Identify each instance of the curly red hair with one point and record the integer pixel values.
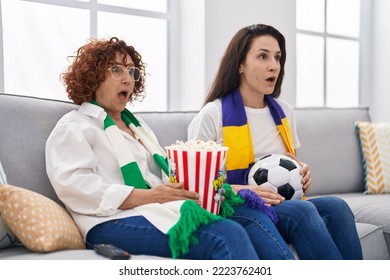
(88, 70)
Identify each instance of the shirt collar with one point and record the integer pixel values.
(93, 111)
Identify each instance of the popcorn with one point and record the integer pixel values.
(201, 166)
(196, 145)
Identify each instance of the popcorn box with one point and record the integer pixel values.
(201, 166)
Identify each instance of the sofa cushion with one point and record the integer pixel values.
(373, 242)
(25, 126)
(371, 209)
(168, 126)
(375, 148)
(330, 146)
(39, 223)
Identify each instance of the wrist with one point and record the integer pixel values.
(236, 188)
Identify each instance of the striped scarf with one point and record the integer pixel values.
(178, 219)
(237, 137)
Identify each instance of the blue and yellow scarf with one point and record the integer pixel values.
(237, 136)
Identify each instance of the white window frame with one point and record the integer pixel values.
(94, 7)
(364, 48)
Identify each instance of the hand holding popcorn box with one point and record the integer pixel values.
(200, 165)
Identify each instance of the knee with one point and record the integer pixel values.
(231, 240)
(340, 208)
(334, 208)
(233, 232)
(302, 210)
(338, 205)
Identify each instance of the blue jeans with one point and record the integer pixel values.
(320, 228)
(222, 240)
(265, 237)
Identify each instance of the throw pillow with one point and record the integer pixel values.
(7, 238)
(38, 222)
(375, 145)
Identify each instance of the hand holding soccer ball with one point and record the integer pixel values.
(279, 173)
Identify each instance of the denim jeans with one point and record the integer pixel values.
(265, 237)
(222, 240)
(320, 228)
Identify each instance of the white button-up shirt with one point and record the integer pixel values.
(84, 171)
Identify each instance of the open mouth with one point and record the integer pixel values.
(123, 95)
(271, 79)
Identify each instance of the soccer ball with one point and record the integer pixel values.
(279, 173)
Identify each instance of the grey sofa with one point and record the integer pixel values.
(329, 145)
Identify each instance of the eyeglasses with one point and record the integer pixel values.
(118, 72)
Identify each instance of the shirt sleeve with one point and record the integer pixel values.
(71, 166)
(207, 124)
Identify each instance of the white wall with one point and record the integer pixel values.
(380, 55)
(191, 82)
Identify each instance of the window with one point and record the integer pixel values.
(39, 35)
(328, 52)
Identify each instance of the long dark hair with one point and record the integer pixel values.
(228, 77)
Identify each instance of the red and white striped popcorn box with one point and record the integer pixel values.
(201, 170)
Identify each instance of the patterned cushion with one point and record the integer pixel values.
(7, 238)
(38, 222)
(375, 145)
